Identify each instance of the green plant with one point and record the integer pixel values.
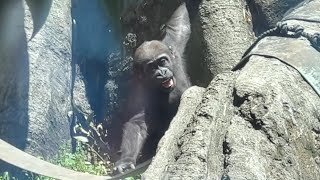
(77, 161)
(5, 176)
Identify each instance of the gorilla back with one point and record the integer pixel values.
(160, 79)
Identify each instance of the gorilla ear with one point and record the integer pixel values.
(178, 29)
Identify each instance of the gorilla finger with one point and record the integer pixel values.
(120, 169)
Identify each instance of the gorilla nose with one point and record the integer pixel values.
(164, 72)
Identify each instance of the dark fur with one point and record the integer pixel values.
(156, 105)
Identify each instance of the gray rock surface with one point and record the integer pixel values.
(35, 78)
(14, 76)
(81, 103)
(50, 81)
(266, 13)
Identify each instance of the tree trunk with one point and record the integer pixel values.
(260, 122)
(227, 33)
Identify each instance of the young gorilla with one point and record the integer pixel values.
(160, 81)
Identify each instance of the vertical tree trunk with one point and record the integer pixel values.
(227, 33)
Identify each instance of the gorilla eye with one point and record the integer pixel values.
(163, 61)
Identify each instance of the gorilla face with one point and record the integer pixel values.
(155, 70)
(159, 73)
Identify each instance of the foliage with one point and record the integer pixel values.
(76, 161)
(6, 176)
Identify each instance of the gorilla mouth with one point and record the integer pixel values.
(168, 83)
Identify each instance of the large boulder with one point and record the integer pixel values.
(35, 75)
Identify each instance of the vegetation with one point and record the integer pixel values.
(76, 161)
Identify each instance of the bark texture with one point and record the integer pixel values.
(260, 122)
(227, 33)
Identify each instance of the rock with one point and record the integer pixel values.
(35, 78)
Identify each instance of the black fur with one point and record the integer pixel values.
(160, 80)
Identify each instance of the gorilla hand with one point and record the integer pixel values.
(125, 164)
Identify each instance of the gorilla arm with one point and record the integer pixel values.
(134, 135)
(178, 29)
